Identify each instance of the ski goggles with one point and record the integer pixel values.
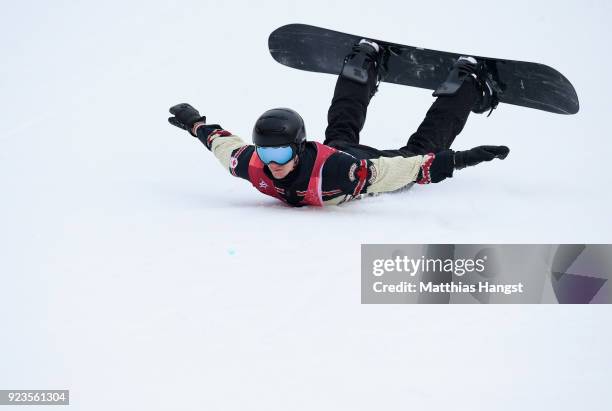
(279, 155)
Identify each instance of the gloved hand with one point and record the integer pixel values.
(441, 165)
(478, 155)
(185, 117)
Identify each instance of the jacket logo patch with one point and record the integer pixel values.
(373, 174)
(262, 184)
(233, 162)
(351, 173)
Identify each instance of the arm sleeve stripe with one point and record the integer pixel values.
(234, 160)
(362, 173)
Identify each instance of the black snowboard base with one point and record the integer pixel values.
(520, 83)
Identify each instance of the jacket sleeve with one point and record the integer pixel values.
(346, 178)
(231, 151)
(393, 173)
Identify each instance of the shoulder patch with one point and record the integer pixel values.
(373, 174)
(351, 173)
(234, 159)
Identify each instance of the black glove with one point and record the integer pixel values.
(478, 155)
(441, 165)
(185, 117)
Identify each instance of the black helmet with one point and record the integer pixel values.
(280, 127)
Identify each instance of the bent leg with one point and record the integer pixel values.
(347, 113)
(444, 121)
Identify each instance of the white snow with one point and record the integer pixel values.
(139, 274)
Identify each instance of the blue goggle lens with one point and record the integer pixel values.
(279, 155)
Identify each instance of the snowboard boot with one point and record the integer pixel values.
(463, 68)
(359, 60)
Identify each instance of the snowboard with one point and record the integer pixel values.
(520, 83)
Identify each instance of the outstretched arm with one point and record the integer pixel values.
(346, 178)
(231, 151)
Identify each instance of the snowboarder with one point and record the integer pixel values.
(283, 164)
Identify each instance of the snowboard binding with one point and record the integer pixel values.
(358, 61)
(469, 67)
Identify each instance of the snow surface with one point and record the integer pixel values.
(139, 274)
